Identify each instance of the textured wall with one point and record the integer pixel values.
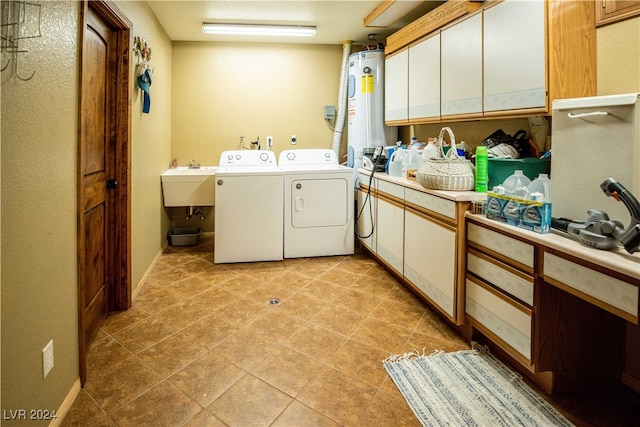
(39, 127)
(39, 150)
(151, 142)
(224, 90)
(619, 57)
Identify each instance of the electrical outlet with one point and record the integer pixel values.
(294, 140)
(269, 141)
(47, 359)
(329, 112)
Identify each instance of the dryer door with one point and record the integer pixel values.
(319, 202)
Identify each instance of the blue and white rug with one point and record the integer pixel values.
(468, 388)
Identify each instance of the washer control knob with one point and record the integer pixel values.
(230, 157)
(264, 157)
(238, 156)
(291, 156)
(327, 155)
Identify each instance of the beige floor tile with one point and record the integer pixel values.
(117, 386)
(276, 325)
(287, 369)
(270, 290)
(382, 335)
(211, 330)
(150, 409)
(388, 409)
(184, 313)
(172, 354)
(292, 279)
(250, 402)
(339, 277)
(360, 361)
(337, 396)
(358, 264)
(243, 311)
(300, 415)
(339, 319)
(359, 301)
(85, 412)
(316, 342)
(156, 301)
(401, 294)
(321, 290)
(217, 298)
(143, 334)
(190, 286)
(118, 320)
(373, 285)
(302, 306)
(246, 348)
(205, 418)
(105, 353)
(242, 284)
(398, 314)
(207, 378)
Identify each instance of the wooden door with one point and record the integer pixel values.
(103, 172)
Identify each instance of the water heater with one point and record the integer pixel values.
(365, 112)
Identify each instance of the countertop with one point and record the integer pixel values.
(617, 259)
(456, 196)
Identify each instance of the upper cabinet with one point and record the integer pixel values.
(461, 70)
(514, 61)
(509, 59)
(396, 87)
(424, 79)
(609, 11)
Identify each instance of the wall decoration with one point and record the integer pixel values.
(20, 21)
(143, 70)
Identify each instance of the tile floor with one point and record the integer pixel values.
(203, 346)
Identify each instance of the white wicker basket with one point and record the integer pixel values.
(449, 172)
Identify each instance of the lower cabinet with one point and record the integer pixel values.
(390, 232)
(366, 214)
(430, 259)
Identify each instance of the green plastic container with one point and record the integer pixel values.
(500, 169)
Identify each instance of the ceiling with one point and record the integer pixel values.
(336, 20)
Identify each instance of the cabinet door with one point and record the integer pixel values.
(390, 232)
(514, 56)
(461, 48)
(430, 259)
(396, 87)
(366, 219)
(424, 79)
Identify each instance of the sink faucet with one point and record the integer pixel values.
(194, 165)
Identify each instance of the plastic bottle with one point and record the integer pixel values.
(516, 184)
(412, 160)
(482, 169)
(395, 164)
(540, 188)
(430, 151)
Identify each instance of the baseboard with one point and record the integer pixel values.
(146, 274)
(66, 404)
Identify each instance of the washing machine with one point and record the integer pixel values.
(248, 207)
(318, 204)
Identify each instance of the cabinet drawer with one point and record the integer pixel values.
(507, 320)
(511, 248)
(611, 291)
(394, 190)
(365, 179)
(433, 203)
(501, 277)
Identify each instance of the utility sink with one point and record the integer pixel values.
(183, 186)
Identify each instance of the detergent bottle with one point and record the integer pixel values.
(431, 150)
(395, 162)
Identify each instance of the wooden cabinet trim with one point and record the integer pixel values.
(610, 11)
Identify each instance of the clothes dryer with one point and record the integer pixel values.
(318, 204)
(248, 207)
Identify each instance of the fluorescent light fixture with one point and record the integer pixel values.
(259, 30)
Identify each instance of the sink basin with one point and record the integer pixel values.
(182, 186)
